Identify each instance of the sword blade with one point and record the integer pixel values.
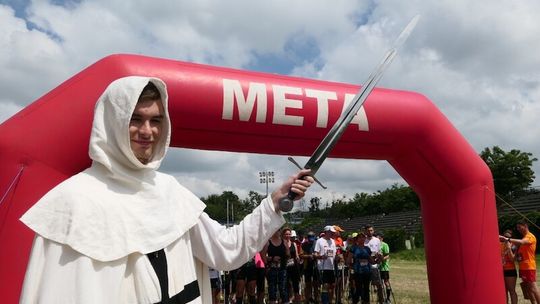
(330, 140)
(333, 136)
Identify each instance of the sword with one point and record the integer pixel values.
(330, 140)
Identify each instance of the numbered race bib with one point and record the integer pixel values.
(290, 262)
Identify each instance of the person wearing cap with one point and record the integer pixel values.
(351, 240)
(311, 274)
(325, 252)
(337, 237)
(340, 263)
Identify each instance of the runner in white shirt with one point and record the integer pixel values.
(325, 252)
(371, 241)
(374, 244)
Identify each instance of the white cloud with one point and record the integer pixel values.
(31, 62)
(475, 60)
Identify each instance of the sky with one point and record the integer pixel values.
(477, 61)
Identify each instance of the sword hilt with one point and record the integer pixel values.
(286, 203)
(312, 175)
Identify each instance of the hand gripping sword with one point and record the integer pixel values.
(330, 140)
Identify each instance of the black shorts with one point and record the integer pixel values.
(328, 277)
(510, 273)
(293, 276)
(248, 273)
(385, 275)
(375, 275)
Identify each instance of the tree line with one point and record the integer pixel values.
(512, 175)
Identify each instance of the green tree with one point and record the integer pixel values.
(396, 198)
(357, 205)
(249, 203)
(393, 199)
(508, 221)
(512, 171)
(216, 206)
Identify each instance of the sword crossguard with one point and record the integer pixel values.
(286, 203)
(300, 167)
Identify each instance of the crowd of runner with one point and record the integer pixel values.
(312, 268)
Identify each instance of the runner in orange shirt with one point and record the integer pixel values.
(340, 263)
(527, 263)
(508, 252)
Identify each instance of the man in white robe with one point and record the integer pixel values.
(122, 232)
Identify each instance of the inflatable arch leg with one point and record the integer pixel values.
(224, 109)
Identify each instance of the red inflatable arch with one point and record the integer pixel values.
(224, 109)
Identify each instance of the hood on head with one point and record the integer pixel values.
(110, 140)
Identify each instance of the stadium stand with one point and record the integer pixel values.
(524, 204)
(410, 221)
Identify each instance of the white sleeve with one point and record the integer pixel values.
(228, 248)
(317, 247)
(58, 274)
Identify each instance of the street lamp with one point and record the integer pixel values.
(266, 177)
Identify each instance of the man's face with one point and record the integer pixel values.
(145, 129)
(522, 229)
(370, 231)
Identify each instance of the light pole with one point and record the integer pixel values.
(266, 177)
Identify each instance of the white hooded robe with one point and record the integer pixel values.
(93, 230)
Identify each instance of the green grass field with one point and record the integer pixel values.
(409, 281)
(408, 277)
